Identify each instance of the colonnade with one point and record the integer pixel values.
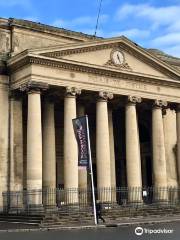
(41, 152)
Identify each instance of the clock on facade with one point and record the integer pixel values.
(117, 57)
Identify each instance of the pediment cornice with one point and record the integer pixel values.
(89, 68)
(122, 43)
(80, 49)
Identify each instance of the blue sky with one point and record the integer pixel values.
(150, 23)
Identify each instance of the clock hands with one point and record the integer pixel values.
(118, 58)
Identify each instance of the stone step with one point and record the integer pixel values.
(20, 217)
(34, 219)
(67, 219)
(66, 224)
(87, 217)
(18, 220)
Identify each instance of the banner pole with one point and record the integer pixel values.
(91, 172)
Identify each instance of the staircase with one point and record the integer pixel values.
(65, 219)
(85, 217)
(24, 219)
(118, 213)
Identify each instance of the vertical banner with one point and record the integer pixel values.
(80, 130)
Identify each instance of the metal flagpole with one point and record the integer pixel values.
(91, 172)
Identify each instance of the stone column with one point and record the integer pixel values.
(82, 171)
(4, 125)
(159, 160)
(103, 148)
(49, 154)
(178, 140)
(112, 154)
(34, 148)
(16, 152)
(170, 136)
(70, 146)
(133, 159)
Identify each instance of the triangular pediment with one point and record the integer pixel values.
(115, 53)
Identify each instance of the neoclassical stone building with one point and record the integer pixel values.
(49, 75)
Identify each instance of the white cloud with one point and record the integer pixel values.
(12, 3)
(157, 15)
(167, 40)
(174, 27)
(163, 25)
(132, 33)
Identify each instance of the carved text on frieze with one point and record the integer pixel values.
(118, 83)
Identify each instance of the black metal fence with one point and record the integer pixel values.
(53, 200)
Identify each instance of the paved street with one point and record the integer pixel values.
(103, 233)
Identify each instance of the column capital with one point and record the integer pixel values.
(72, 91)
(133, 99)
(33, 86)
(105, 95)
(160, 103)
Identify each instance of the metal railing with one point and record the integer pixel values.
(53, 200)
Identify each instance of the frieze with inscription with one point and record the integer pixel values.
(119, 83)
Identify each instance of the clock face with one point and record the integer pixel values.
(117, 57)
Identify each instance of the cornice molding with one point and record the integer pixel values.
(26, 24)
(85, 68)
(80, 49)
(122, 46)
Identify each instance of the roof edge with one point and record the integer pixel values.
(49, 29)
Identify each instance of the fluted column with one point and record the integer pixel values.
(112, 154)
(70, 145)
(103, 148)
(49, 153)
(159, 160)
(133, 159)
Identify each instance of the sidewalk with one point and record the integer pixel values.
(20, 227)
